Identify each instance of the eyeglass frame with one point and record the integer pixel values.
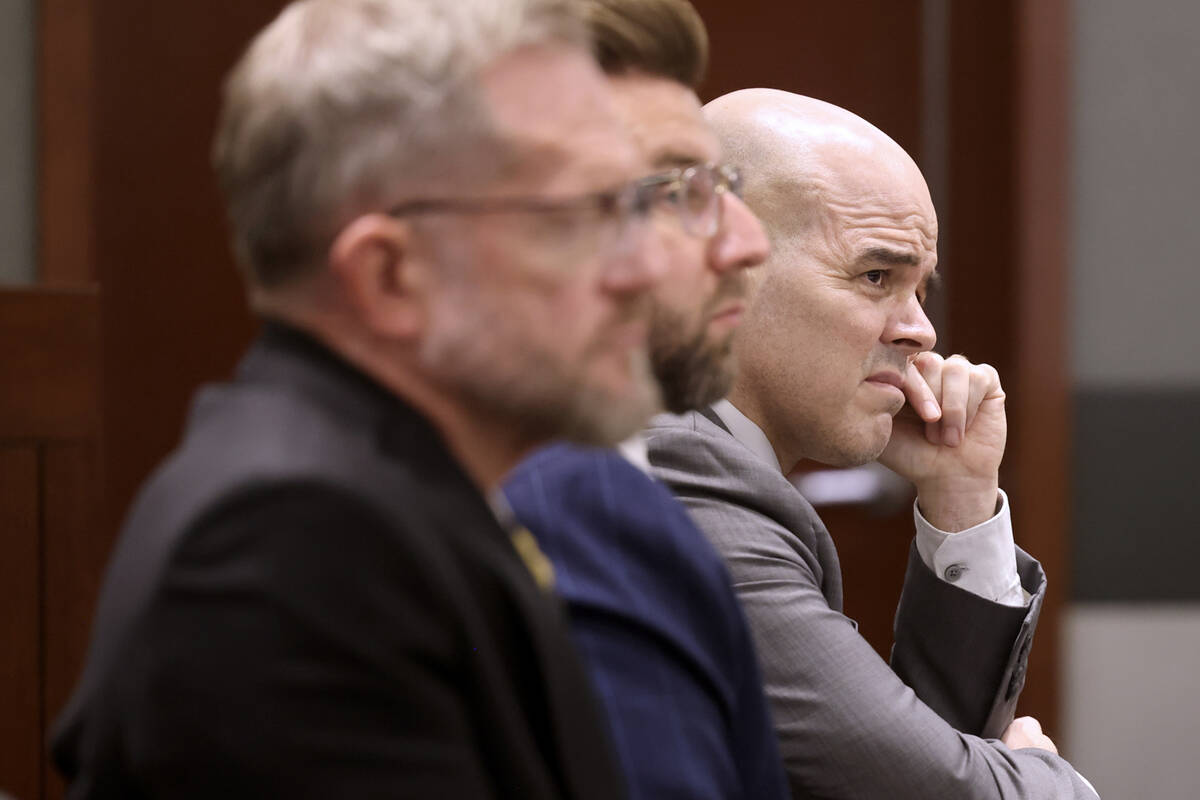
(637, 198)
(704, 223)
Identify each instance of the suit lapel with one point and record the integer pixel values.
(712, 417)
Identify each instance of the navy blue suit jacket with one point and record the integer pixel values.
(659, 627)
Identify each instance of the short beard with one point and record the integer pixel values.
(530, 393)
(693, 372)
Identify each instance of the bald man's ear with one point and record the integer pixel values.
(373, 263)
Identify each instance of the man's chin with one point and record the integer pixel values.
(869, 444)
(606, 416)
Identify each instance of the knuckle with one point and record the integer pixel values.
(958, 367)
(987, 378)
(926, 359)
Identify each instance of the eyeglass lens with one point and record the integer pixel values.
(700, 205)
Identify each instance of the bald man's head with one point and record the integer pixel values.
(838, 305)
(796, 148)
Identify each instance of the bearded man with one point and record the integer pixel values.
(650, 602)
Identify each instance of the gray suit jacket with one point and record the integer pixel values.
(849, 725)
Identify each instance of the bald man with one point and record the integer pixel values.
(836, 365)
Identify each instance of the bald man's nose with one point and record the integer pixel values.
(910, 328)
(741, 241)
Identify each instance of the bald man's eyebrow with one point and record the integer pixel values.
(885, 255)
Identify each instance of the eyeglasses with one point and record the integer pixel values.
(695, 193)
(633, 199)
(595, 222)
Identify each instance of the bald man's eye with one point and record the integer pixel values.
(876, 276)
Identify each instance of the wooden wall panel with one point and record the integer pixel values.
(1042, 443)
(174, 315)
(75, 550)
(49, 360)
(864, 55)
(20, 629)
(65, 220)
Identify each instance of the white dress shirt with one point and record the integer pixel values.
(636, 452)
(981, 560)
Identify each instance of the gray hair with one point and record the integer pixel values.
(339, 104)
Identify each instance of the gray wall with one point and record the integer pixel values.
(1135, 321)
(1137, 193)
(17, 175)
(1133, 631)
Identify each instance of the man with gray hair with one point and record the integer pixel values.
(442, 222)
(835, 365)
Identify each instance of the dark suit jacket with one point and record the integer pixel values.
(849, 726)
(309, 599)
(658, 625)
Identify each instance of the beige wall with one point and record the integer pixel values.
(1133, 724)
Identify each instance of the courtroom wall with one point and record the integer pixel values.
(1133, 632)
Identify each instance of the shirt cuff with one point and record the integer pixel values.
(981, 560)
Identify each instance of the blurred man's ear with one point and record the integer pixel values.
(372, 260)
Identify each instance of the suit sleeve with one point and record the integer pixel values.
(965, 656)
(848, 726)
(298, 650)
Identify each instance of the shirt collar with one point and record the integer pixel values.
(746, 432)
(635, 451)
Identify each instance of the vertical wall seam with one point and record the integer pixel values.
(42, 494)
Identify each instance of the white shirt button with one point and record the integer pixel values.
(954, 572)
